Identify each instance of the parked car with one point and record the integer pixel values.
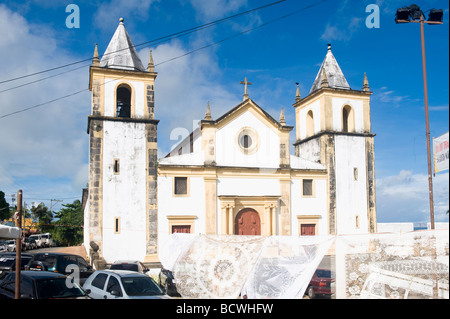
(40, 285)
(37, 239)
(3, 246)
(122, 284)
(30, 243)
(8, 262)
(47, 240)
(131, 265)
(167, 282)
(58, 262)
(11, 245)
(321, 284)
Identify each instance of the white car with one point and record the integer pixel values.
(3, 246)
(11, 245)
(47, 240)
(37, 239)
(122, 284)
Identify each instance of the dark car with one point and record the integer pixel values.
(167, 282)
(8, 262)
(131, 265)
(62, 263)
(321, 284)
(40, 285)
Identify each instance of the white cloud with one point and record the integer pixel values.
(110, 12)
(341, 30)
(385, 95)
(214, 9)
(404, 197)
(183, 88)
(438, 108)
(46, 141)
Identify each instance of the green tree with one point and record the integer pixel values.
(43, 216)
(70, 221)
(4, 207)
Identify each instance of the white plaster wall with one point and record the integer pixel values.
(139, 94)
(315, 108)
(194, 204)
(351, 195)
(395, 227)
(86, 228)
(310, 150)
(185, 144)
(229, 154)
(316, 205)
(124, 194)
(357, 106)
(248, 186)
(197, 144)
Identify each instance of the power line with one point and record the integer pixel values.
(167, 37)
(42, 79)
(172, 59)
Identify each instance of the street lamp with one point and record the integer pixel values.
(414, 14)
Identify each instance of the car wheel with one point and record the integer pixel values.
(311, 293)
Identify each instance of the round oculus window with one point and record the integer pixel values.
(247, 140)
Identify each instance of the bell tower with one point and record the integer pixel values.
(333, 128)
(122, 130)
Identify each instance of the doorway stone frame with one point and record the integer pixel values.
(265, 206)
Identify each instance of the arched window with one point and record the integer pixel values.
(348, 120)
(309, 124)
(123, 98)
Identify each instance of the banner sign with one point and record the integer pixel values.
(440, 153)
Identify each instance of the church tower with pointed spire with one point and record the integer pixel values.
(333, 128)
(122, 128)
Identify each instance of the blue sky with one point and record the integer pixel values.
(44, 151)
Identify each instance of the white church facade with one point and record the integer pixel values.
(234, 173)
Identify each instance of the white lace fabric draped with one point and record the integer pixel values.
(411, 265)
(381, 266)
(216, 266)
(223, 266)
(285, 266)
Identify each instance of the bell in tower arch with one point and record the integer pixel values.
(123, 104)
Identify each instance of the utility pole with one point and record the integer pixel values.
(18, 242)
(414, 14)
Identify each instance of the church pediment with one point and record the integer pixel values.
(251, 106)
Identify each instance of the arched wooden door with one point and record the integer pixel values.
(247, 222)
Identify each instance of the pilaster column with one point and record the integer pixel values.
(227, 220)
(230, 219)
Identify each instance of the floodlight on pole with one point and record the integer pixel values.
(436, 15)
(414, 14)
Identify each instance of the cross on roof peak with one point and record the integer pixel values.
(245, 87)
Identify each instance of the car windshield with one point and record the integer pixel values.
(7, 261)
(57, 288)
(141, 286)
(125, 266)
(323, 273)
(48, 261)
